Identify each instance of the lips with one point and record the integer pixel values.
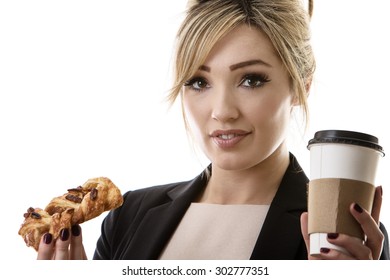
(228, 138)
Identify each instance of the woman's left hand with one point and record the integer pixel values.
(370, 249)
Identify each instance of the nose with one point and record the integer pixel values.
(224, 106)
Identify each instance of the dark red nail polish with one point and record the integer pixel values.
(381, 189)
(64, 234)
(76, 230)
(47, 238)
(325, 250)
(358, 208)
(333, 235)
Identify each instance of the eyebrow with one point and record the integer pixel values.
(204, 68)
(239, 65)
(248, 63)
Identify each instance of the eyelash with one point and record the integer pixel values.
(190, 83)
(260, 79)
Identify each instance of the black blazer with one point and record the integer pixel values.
(143, 225)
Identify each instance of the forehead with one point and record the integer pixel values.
(240, 44)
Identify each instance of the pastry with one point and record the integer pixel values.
(77, 206)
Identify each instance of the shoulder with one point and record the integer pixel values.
(146, 198)
(159, 194)
(153, 194)
(292, 192)
(136, 204)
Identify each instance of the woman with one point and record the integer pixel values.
(241, 68)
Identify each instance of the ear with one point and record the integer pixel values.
(308, 86)
(295, 99)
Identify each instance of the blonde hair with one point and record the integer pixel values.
(285, 22)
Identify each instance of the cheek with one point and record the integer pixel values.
(193, 112)
(270, 111)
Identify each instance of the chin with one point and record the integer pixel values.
(233, 164)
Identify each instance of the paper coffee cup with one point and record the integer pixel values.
(343, 166)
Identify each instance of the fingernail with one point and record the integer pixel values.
(381, 189)
(358, 208)
(64, 234)
(333, 235)
(47, 238)
(76, 230)
(325, 250)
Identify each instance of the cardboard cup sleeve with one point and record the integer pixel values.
(329, 201)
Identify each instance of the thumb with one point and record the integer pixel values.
(304, 230)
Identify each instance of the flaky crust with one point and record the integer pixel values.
(77, 206)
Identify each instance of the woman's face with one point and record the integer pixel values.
(238, 103)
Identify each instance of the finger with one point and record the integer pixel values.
(333, 254)
(305, 234)
(304, 230)
(77, 251)
(61, 251)
(371, 229)
(84, 256)
(46, 245)
(376, 206)
(353, 245)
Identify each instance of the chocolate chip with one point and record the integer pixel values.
(78, 189)
(73, 198)
(35, 215)
(93, 194)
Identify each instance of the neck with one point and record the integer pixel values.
(254, 185)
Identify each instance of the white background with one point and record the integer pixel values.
(82, 88)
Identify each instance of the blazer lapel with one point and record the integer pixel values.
(280, 237)
(160, 222)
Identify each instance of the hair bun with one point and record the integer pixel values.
(192, 3)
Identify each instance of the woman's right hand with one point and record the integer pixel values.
(371, 248)
(68, 246)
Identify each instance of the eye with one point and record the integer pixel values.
(197, 84)
(254, 80)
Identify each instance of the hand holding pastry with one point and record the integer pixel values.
(66, 212)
